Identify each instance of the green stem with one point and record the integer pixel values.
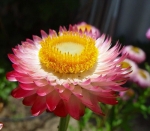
(63, 124)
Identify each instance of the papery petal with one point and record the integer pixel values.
(43, 91)
(30, 86)
(107, 100)
(11, 76)
(77, 91)
(41, 82)
(39, 106)
(13, 58)
(29, 101)
(52, 100)
(36, 38)
(20, 93)
(65, 95)
(61, 109)
(75, 108)
(44, 34)
(25, 79)
(1, 125)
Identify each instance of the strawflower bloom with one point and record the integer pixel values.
(126, 95)
(127, 63)
(83, 26)
(142, 78)
(148, 34)
(1, 125)
(134, 53)
(66, 72)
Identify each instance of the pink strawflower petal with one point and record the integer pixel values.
(43, 91)
(1, 125)
(20, 93)
(39, 106)
(65, 95)
(75, 107)
(29, 100)
(61, 109)
(52, 100)
(11, 76)
(31, 86)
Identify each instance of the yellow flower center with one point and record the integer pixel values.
(85, 26)
(125, 64)
(142, 74)
(135, 49)
(68, 52)
(130, 92)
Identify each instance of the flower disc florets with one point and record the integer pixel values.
(66, 72)
(68, 53)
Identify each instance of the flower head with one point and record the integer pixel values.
(148, 34)
(126, 95)
(66, 72)
(142, 78)
(127, 63)
(83, 26)
(1, 125)
(134, 53)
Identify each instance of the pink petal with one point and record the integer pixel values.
(13, 58)
(88, 98)
(65, 95)
(42, 91)
(1, 125)
(52, 32)
(31, 86)
(96, 109)
(44, 34)
(68, 86)
(19, 69)
(41, 82)
(60, 88)
(61, 109)
(20, 93)
(30, 41)
(36, 38)
(75, 107)
(91, 102)
(11, 76)
(52, 100)
(28, 101)
(118, 88)
(18, 53)
(77, 91)
(87, 82)
(25, 79)
(39, 106)
(108, 100)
